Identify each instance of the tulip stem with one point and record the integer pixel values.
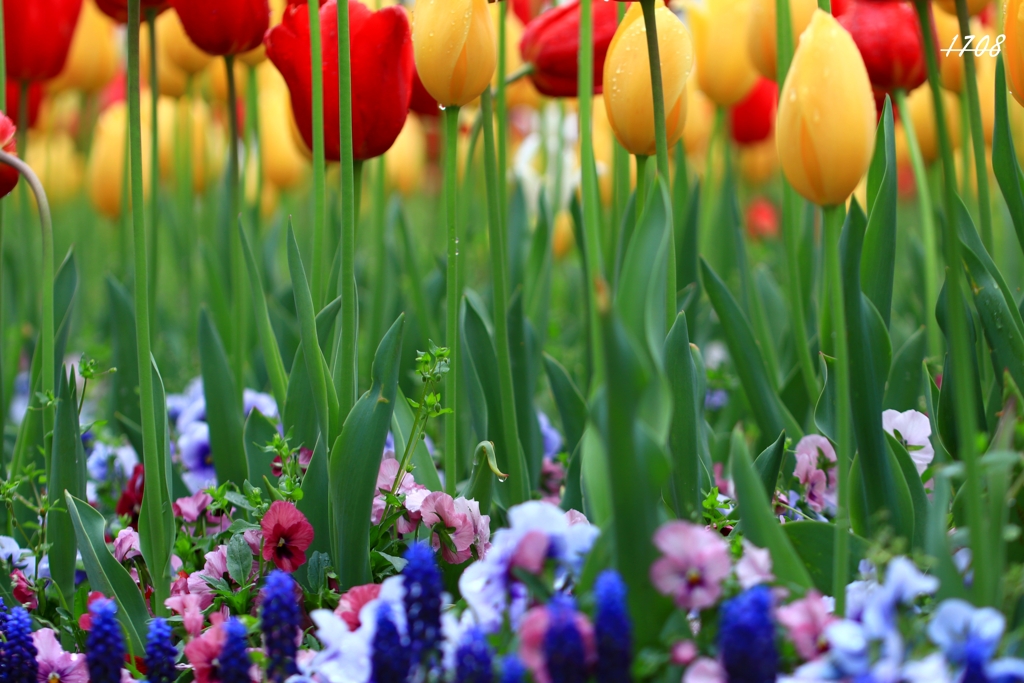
(252, 100)
(519, 475)
(150, 453)
(834, 216)
(501, 108)
(590, 194)
(641, 186)
(661, 144)
(620, 178)
(154, 158)
(320, 250)
(924, 194)
(346, 376)
(959, 346)
(451, 179)
(238, 275)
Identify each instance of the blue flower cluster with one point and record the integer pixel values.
(105, 645)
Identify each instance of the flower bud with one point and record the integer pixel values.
(700, 121)
(281, 148)
(922, 115)
(947, 30)
(59, 166)
(759, 162)
(8, 174)
(725, 72)
(888, 35)
(38, 37)
(181, 51)
(826, 123)
(761, 31)
(752, 119)
(105, 173)
(225, 27)
(627, 79)
(454, 46)
(407, 159)
(93, 59)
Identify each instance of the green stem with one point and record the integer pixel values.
(924, 195)
(591, 196)
(380, 287)
(238, 276)
(345, 372)
(501, 107)
(959, 341)
(977, 136)
(154, 160)
(151, 457)
(21, 137)
(320, 251)
(518, 474)
(451, 143)
(641, 186)
(844, 427)
(825, 6)
(252, 99)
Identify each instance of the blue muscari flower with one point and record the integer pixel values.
(391, 659)
(105, 644)
(280, 624)
(563, 644)
(160, 653)
(422, 580)
(19, 651)
(746, 637)
(473, 658)
(613, 629)
(512, 669)
(234, 658)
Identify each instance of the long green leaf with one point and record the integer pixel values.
(156, 518)
(572, 408)
(879, 265)
(525, 352)
(917, 494)
(684, 440)
(268, 342)
(222, 410)
(67, 473)
(259, 431)
(1005, 165)
(355, 461)
(815, 543)
(1005, 338)
(906, 375)
(124, 383)
(769, 463)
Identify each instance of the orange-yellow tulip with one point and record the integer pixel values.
(453, 42)
(57, 163)
(181, 51)
(922, 115)
(761, 31)
(93, 59)
(105, 174)
(406, 161)
(724, 70)
(284, 155)
(951, 65)
(1013, 48)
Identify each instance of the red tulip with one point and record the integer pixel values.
(753, 118)
(526, 10)
(118, 9)
(762, 219)
(551, 44)
(888, 36)
(8, 175)
(422, 102)
(382, 74)
(35, 101)
(37, 36)
(224, 27)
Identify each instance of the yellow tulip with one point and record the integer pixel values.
(218, 73)
(93, 59)
(284, 155)
(563, 238)
(922, 115)
(406, 161)
(627, 79)
(826, 121)
(182, 52)
(57, 163)
(947, 30)
(105, 173)
(986, 75)
(171, 80)
(724, 70)
(453, 42)
(1017, 129)
(522, 93)
(179, 120)
(973, 7)
(1013, 48)
(604, 151)
(759, 162)
(761, 31)
(700, 121)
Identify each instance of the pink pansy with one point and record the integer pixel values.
(385, 479)
(190, 507)
(126, 545)
(705, 670)
(806, 620)
(56, 665)
(694, 564)
(915, 431)
(353, 601)
(216, 567)
(723, 483)
(439, 508)
(23, 591)
(190, 607)
(532, 630)
(180, 584)
(481, 524)
(755, 566)
(202, 653)
(576, 517)
(531, 552)
(819, 484)
(684, 652)
(254, 537)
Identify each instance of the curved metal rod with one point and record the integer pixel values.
(48, 361)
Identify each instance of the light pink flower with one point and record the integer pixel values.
(806, 620)
(532, 630)
(481, 524)
(23, 591)
(191, 608)
(126, 545)
(705, 670)
(914, 429)
(54, 663)
(723, 483)
(203, 652)
(190, 507)
(439, 508)
(576, 517)
(385, 479)
(755, 566)
(684, 652)
(531, 552)
(694, 564)
(819, 483)
(216, 567)
(353, 601)
(552, 475)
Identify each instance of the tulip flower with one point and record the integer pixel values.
(57, 163)
(974, 7)
(105, 172)
(281, 151)
(407, 160)
(218, 80)
(179, 48)
(725, 71)
(224, 27)
(93, 58)
(454, 47)
(171, 80)
(922, 114)
(563, 238)
(522, 92)
(947, 29)
(551, 43)
(627, 77)
(751, 121)
(177, 121)
(422, 102)
(382, 73)
(700, 121)
(888, 35)
(37, 37)
(761, 31)
(826, 122)
(35, 100)
(1013, 48)
(118, 9)
(758, 162)
(8, 174)
(527, 10)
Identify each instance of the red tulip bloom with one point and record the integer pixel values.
(287, 534)
(224, 27)
(37, 36)
(526, 10)
(382, 74)
(762, 219)
(753, 118)
(422, 102)
(118, 9)
(551, 44)
(888, 36)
